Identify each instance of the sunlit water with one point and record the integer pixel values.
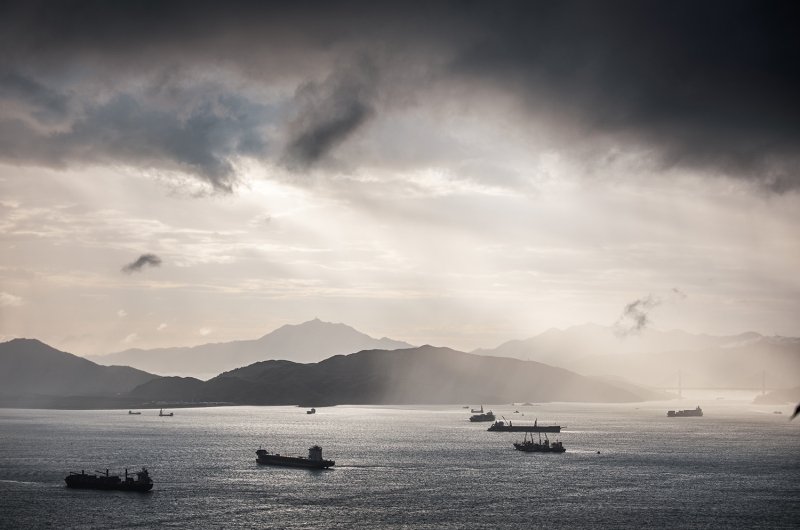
(420, 467)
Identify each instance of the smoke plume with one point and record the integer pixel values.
(144, 260)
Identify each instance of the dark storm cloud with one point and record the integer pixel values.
(328, 113)
(708, 85)
(144, 260)
(202, 139)
(47, 105)
(702, 85)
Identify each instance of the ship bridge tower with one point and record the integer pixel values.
(315, 453)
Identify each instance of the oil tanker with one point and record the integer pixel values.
(314, 460)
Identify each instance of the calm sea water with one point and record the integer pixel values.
(420, 467)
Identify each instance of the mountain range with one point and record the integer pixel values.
(655, 358)
(424, 375)
(36, 375)
(583, 363)
(308, 342)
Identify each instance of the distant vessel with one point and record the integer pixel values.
(685, 413)
(312, 411)
(167, 414)
(110, 482)
(529, 446)
(132, 412)
(503, 426)
(487, 416)
(314, 459)
(477, 411)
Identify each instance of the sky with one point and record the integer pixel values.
(454, 173)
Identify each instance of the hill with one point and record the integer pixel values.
(29, 368)
(655, 357)
(310, 341)
(424, 375)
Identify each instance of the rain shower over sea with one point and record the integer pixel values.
(407, 467)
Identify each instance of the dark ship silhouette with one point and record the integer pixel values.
(110, 482)
(314, 460)
(502, 426)
(529, 446)
(481, 416)
(685, 413)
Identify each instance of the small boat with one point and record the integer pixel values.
(102, 481)
(777, 412)
(477, 411)
(311, 411)
(487, 416)
(165, 414)
(685, 413)
(133, 413)
(529, 446)
(314, 460)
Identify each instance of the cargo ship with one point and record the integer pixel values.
(529, 446)
(82, 480)
(502, 426)
(314, 460)
(685, 413)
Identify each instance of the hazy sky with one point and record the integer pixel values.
(455, 173)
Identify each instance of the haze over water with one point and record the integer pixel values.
(415, 467)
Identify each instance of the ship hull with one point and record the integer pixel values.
(96, 484)
(690, 413)
(290, 461)
(524, 428)
(268, 459)
(536, 448)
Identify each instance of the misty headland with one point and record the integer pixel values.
(318, 363)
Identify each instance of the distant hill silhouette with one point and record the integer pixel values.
(31, 368)
(424, 375)
(654, 357)
(310, 341)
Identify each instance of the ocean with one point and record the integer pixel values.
(408, 467)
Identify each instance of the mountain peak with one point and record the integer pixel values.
(310, 341)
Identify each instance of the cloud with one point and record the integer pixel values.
(706, 86)
(205, 331)
(144, 260)
(200, 135)
(132, 337)
(328, 113)
(635, 317)
(9, 300)
(122, 313)
(161, 327)
(46, 105)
